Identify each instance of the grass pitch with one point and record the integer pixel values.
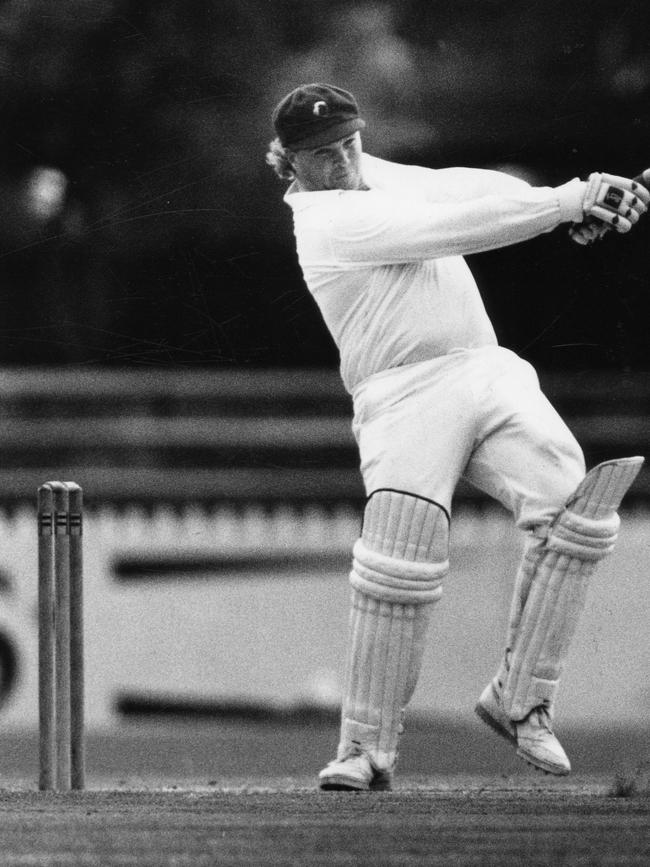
(244, 794)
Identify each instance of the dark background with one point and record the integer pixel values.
(173, 246)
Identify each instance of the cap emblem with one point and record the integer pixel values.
(320, 108)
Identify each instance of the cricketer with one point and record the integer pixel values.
(436, 399)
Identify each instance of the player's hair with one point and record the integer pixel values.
(276, 157)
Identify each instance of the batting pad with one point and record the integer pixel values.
(398, 566)
(552, 584)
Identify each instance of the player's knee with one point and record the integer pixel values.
(584, 538)
(586, 532)
(402, 554)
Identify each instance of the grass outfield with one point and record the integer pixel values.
(215, 793)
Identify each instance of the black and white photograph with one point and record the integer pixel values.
(324, 429)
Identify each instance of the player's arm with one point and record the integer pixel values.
(617, 202)
(374, 227)
(611, 202)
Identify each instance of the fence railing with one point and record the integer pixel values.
(241, 435)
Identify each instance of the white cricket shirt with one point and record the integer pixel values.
(386, 266)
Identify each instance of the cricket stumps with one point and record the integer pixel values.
(60, 637)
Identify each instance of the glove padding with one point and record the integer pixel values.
(611, 202)
(594, 229)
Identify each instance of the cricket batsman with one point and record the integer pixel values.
(436, 399)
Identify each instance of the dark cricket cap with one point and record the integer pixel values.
(316, 114)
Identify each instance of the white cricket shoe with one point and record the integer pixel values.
(355, 773)
(533, 736)
(538, 745)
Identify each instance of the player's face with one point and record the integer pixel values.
(334, 166)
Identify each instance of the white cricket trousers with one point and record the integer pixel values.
(477, 414)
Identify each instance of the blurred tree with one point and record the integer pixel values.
(171, 243)
(152, 111)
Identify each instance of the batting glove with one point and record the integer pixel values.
(618, 202)
(611, 202)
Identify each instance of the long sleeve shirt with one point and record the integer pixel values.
(385, 265)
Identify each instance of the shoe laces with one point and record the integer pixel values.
(543, 717)
(352, 752)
